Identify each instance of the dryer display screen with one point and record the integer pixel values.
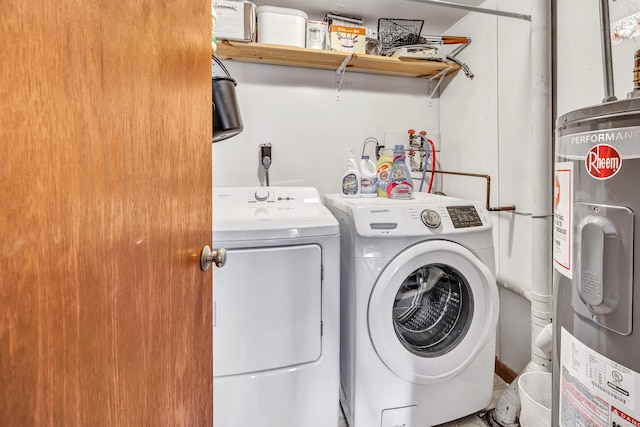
(464, 216)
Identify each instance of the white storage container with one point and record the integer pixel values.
(535, 396)
(279, 25)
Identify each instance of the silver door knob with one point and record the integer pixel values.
(218, 257)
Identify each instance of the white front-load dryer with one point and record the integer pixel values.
(276, 309)
(419, 309)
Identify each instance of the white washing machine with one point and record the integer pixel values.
(419, 309)
(276, 309)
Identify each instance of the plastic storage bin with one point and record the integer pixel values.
(282, 26)
(535, 397)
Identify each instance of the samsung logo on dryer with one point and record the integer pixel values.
(375, 211)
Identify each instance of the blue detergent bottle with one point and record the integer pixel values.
(400, 182)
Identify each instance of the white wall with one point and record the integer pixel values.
(579, 57)
(486, 128)
(296, 110)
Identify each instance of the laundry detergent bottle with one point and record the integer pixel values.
(368, 178)
(385, 161)
(351, 178)
(400, 183)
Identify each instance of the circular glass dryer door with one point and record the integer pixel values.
(432, 309)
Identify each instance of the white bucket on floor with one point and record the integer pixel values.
(535, 398)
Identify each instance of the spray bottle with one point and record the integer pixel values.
(351, 178)
(400, 182)
(368, 178)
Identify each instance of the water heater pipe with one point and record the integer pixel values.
(476, 9)
(508, 405)
(542, 168)
(607, 62)
(488, 192)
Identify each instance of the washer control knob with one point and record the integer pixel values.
(430, 218)
(262, 194)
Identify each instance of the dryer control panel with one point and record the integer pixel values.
(269, 212)
(238, 196)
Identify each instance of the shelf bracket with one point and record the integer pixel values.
(459, 49)
(340, 75)
(440, 77)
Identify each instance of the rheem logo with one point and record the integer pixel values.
(603, 161)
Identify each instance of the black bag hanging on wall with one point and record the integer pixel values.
(226, 113)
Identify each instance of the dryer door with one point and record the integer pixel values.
(432, 309)
(267, 309)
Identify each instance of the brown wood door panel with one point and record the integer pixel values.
(105, 174)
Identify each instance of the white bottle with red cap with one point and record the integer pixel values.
(368, 178)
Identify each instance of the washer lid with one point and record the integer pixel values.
(258, 213)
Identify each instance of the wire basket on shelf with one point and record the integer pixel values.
(398, 32)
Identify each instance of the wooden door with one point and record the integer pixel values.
(105, 193)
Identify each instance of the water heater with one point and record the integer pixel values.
(596, 254)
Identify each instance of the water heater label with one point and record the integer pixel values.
(595, 390)
(562, 217)
(602, 161)
(591, 148)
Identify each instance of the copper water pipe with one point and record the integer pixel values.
(488, 178)
(636, 70)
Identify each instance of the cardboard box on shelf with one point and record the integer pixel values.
(344, 20)
(317, 35)
(236, 20)
(347, 39)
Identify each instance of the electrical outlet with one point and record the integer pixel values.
(265, 155)
(265, 150)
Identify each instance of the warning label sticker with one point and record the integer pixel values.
(620, 418)
(562, 212)
(595, 391)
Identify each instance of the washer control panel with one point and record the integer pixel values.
(417, 220)
(424, 215)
